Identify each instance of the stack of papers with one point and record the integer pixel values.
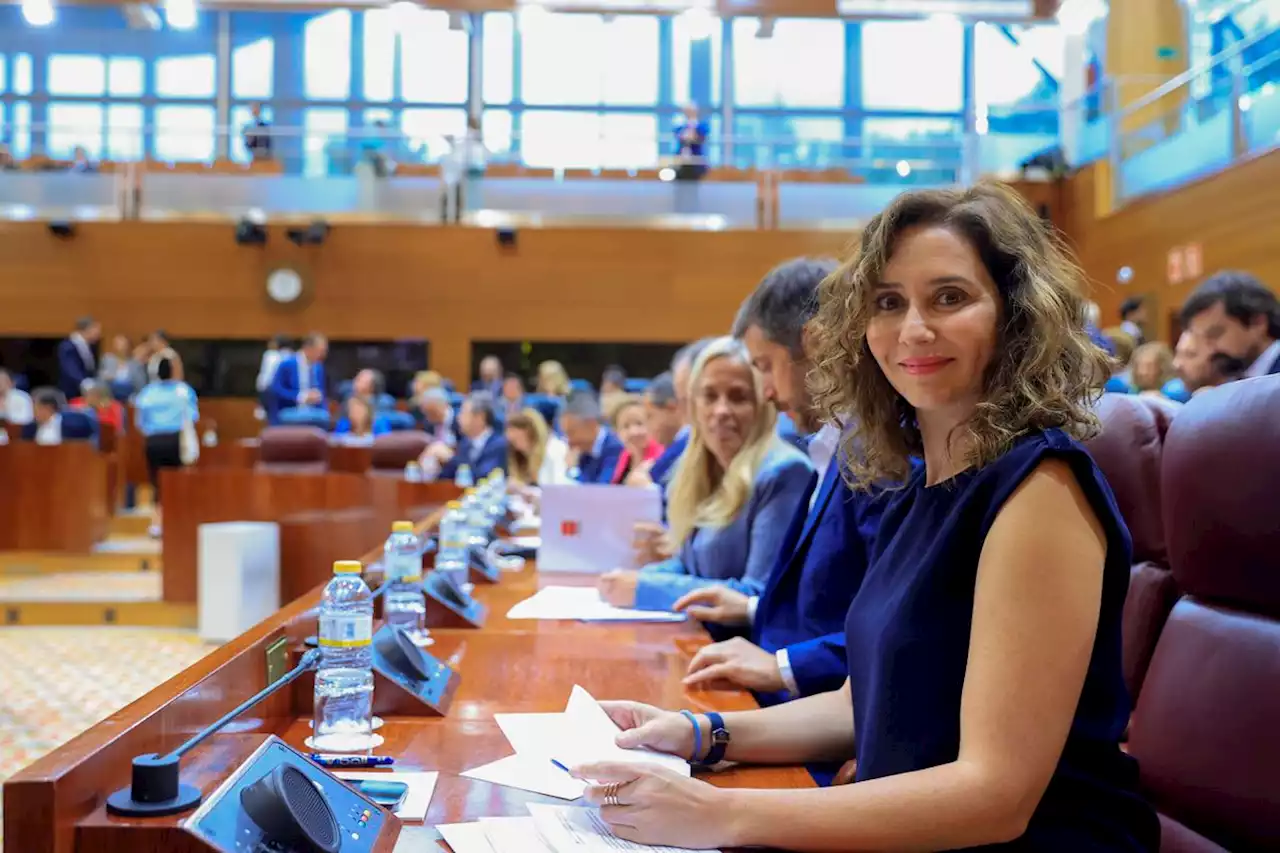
(584, 604)
(548, 829)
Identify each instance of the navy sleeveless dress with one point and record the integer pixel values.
(908, 645)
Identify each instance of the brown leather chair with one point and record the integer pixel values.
(1206, 729)
(293, 450)
(394, 450)
(1129, 453)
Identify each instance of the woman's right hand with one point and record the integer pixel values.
(644, 726)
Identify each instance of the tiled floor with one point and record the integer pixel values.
(83, 586)
(57, 682)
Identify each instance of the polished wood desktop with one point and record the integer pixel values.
(54, 499)
(57, 804)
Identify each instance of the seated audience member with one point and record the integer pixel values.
(1235, 314)
(613, 391)
(80, 161)
(796, 645)
(425, 380)
(98, 399)
(121, 370)
(435, 416)
(553, 380)
(733, 492)
(1122, 347)
(45, 426)
(512, 397)
(15, 404)
(664, 421)
(639, 448)
(681, 365)
(593, 448)
(1150, 368)
(490, 380)
(1201, 369)
(163, 410)
(535, 456)
(481, 446)
(299, 378)
(359, 420)
(368, 383)
(1133, 316)
(985, 683)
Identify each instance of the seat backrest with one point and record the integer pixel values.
(293, 449)
(1206, 729)
(399, 421)
(391, 452)
(309, 416)
(79, 425)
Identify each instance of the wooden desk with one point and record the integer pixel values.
(56, 804)
(54, 499)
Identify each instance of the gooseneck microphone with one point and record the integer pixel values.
(157, 788)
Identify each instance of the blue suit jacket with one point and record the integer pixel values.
(284, 389)
(490, 458)
(76, 426)
(662, 467)
(71, 369)
(819, 571)
(599, 469)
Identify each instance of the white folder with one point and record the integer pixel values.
(591, 528)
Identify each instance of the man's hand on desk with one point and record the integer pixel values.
(650, 541)
(716, 604)
(738, 662)
(618, 587)
(310, 397)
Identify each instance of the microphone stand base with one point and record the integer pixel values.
(122, 803)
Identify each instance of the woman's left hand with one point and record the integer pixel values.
(618, 587)
(659, 806)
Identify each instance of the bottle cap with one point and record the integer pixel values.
(402, 527)
(347, 567)
(454, 505)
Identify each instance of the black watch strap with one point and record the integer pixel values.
(719, 740)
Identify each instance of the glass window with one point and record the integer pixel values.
(124, 132)
(325, 129)
(72, 74)
(612, 62)
(800, 65)
(184, 133)
(186, 76)
(425, 131)
(499, 53)
(22, 74)
(433, 59)
(1006, 73)
(242, 117)
(893, 76)
(327, 56)
(782, 140)
(253, 69)
(696, 34)
(589, 140)
(379, 55)
(71, 125)
(124, 76)
(496, 130)
(934, 139)
(4, 66)
(20, 133)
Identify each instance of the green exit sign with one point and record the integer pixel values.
(1167, 52)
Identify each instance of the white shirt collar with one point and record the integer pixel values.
(1262, 364)
(597, 446)
(50, 432)
(478, 443)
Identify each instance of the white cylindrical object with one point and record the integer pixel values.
(239, 577)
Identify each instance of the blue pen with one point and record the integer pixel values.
(352, 760)
(561, 766)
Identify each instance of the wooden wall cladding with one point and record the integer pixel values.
(1234, 216)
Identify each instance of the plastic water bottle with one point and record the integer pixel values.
(412, 471)
(344, 682)
(403, 605)
(477, 520)
(463, 478)
(451, 558)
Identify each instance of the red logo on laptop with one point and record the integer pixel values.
(568, 528)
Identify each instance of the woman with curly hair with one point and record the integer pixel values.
(985, 702)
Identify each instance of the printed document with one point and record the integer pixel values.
(585, 604)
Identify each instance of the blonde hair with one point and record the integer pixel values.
(1122, 342)
(1042, 375)
(1164, 365)
(622, 403)
(424, 380)
(702, 493)
(521, 468)
(553, 379)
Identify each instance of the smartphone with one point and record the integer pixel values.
(386, 793)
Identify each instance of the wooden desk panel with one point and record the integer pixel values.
(54, 498)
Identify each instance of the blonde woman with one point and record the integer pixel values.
(535, 457)
(733, 493)
(1150, 367)
(553, 379)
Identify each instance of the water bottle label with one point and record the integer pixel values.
(346, 630)
(404, 568)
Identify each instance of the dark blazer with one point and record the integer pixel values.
(76, 426)
(284, 389)
(492, 457)
(666, 463)
(72, 371)
(599, 469)
(823, 561)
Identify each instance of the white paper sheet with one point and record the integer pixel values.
(593, 738)
(529, 773)
(591, 528)
(418, 798)
(463, 838)
(575, 829)
(582, 603)
(515, 835)
(415, 838)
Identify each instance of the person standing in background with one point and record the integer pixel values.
(163, 410)
(1133, 319)
(257, 135)
(490, 380)
(76, 361)
(277, 349)
(123, 373)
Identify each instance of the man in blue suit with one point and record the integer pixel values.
(299, 379)
(796, 646)
(53, 423)
(1235, 314)
(76, 360)
(597, 448)
(482, 447)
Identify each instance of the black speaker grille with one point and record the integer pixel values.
(309, 808)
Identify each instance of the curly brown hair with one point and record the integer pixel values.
(1043, 373)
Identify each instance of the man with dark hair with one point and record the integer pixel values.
(46, 426)
(596, 447)
(661, 411)
(1133, 318)
(796, 627)
(76, 359)
(1235, 314)
(299, 379)
(482, 447)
